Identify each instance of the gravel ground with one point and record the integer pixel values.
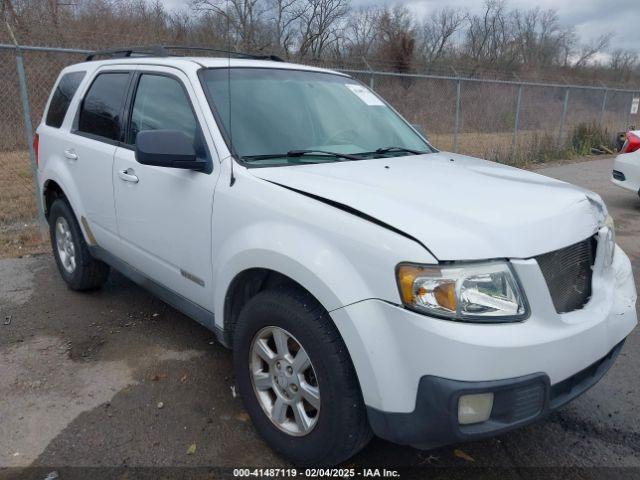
(116, 378)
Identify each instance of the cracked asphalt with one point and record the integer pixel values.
(117, 378)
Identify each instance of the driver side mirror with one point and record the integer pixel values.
(167, 148)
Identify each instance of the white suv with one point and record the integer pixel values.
(366, 282)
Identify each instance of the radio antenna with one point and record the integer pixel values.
(232, 179)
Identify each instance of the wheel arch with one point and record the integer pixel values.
(52, 189)
(248, 283)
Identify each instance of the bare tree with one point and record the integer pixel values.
(319, 26)
(591, 49)
(489, 37)
(623, 60)
(285, 15)
(243, 16)
(180, 25)
(362, 31)
(539, 38)
(623, 63)
(9, 15)
(210, 29)
(526, 41)
(437, 32)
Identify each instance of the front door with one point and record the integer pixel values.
(164, 214)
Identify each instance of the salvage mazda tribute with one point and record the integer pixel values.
(366, 282)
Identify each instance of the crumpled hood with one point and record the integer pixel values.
(460, 208)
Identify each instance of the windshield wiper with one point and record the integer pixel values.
(300, 153)
(399, 149)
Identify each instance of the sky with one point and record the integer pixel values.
(590, 18)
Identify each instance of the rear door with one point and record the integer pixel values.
(53, 131)
(164, 214)
(97, 129)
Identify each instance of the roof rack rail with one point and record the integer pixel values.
(165, 51)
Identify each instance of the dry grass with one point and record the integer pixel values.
(27, 240)
(474, 144)
(532, 146)
(19, 231)
(16, 185)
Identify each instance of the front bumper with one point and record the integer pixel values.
(626, 172)
(517, 402)
(394, 349)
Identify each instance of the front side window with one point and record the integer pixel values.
(161, 103)
(101, 112)
(268, 112)
(64, 92)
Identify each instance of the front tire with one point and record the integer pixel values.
(297, 380)
(76, 265)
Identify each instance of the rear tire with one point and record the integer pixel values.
(76, 265)
(339, 426)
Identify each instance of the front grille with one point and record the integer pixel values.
(568, 274)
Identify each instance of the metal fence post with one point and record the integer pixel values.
(371, 78)
(603, 108)
(456, 125)
(628, 124)
(516, 122)
(28, 131)
(563, 117)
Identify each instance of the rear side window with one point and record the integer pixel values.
(62, 96)
(101, 111)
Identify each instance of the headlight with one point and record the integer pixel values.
(609, 240)
(475, 292)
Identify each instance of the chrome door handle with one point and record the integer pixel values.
(128, 175)
(70, 154)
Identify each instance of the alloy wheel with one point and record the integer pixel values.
(65, 246)
(284, 381)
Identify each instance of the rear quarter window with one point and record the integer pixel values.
(62, 95)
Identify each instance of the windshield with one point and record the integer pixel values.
(314, 117)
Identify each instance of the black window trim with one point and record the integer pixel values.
(131, 97)
(100, 138)
(127, 109)
(53, 93)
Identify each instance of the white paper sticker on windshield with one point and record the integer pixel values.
(364, 94)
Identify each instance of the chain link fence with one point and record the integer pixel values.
(511, 121)
(26, 79)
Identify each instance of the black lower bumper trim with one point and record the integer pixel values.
(517, 402)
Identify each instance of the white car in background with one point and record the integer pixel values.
(366, 282)
(626, 168)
